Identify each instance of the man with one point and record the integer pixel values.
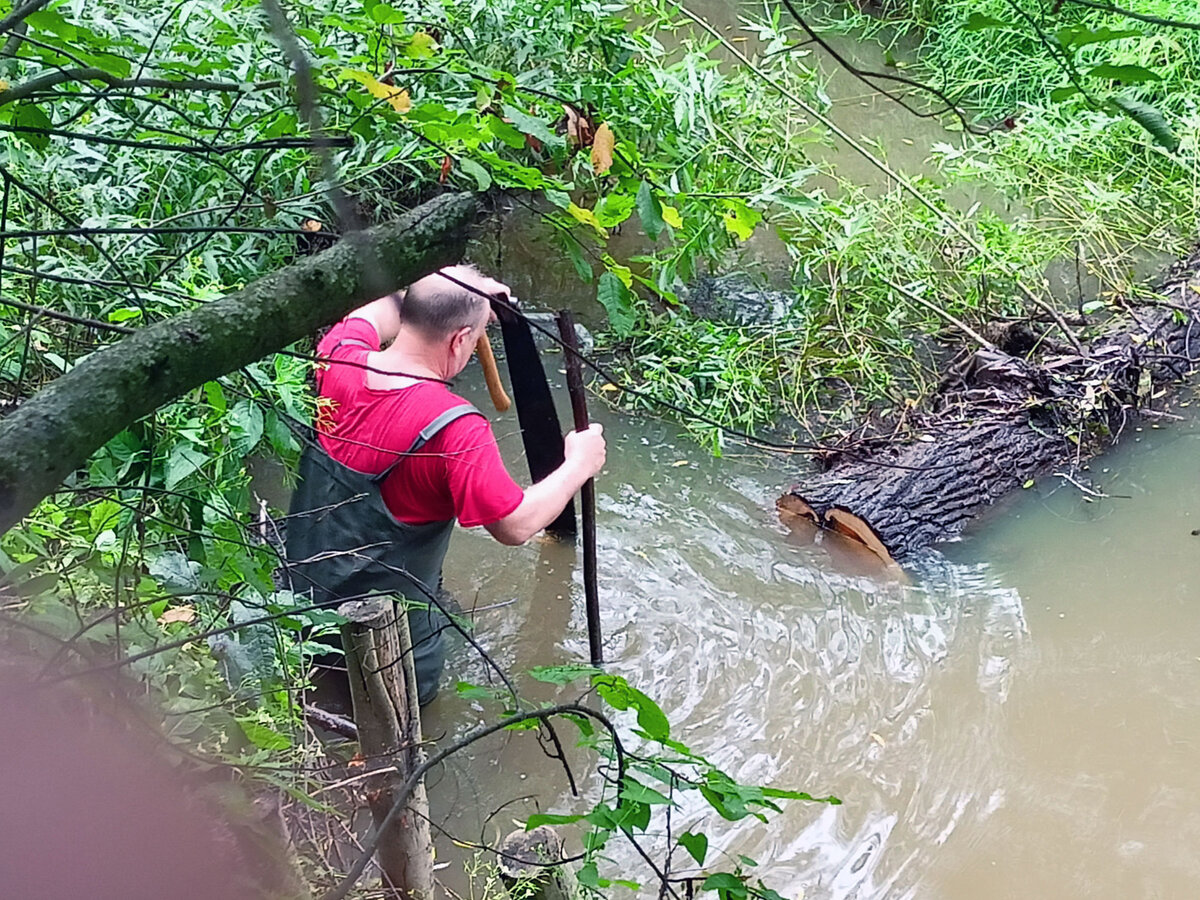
(400, 457)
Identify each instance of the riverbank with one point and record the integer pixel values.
(1072, 208)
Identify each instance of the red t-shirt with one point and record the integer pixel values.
(458, 474)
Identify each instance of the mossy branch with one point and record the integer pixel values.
(56, 430)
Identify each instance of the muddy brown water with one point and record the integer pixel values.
(1021, 720)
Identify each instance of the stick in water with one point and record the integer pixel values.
(587, 494)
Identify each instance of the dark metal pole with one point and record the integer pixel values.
(587, 494)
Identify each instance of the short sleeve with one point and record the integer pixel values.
(350, 340)
(346, 334)
(482, 490)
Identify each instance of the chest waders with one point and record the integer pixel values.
(343, 543)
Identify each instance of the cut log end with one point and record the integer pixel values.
(848, 525)
(800, 517)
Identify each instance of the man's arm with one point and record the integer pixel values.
(585, 454)
(384, 316)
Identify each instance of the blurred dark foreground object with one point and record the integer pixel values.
(92, 806)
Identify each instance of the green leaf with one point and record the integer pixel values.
(586, 217)
(38, 584)
(1075, 36)
(650, 211)
(619, 694)
(216, 396)
(174, 571)
(614, 209)
(727, 886)
(475, 691)
(637, 792)
(696, 845)
(574, 252)
(483, 178)
(1125, 74)
(1058, 95)
(124, 314)
(51, 22)
(672, 217)
(31, 116)
(263, 737)
(740, 219)
(782, 794)
(618, 303)
(563, 674)
(588, 876)
(979, 22)
(420, 46)
(246, 426)
(505, 133)
(528, 124)
(382, 14)
(549, 819)
(561, 199)
(633, 816)
(182, 461)
(583, 723)
(1150, 119)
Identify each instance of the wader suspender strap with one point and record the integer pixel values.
(453, 414)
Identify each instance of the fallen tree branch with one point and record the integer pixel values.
(1000, 419)
(55, 431)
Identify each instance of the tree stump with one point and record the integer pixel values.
(526, 862)
(383, 687)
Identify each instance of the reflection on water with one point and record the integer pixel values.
(1019, 720)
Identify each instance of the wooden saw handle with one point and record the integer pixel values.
(491, 374)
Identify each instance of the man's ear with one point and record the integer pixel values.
(461, 336)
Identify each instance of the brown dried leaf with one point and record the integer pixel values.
(183, 614)
(580, 131)
(602, 149)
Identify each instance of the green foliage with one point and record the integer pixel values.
(654, 781)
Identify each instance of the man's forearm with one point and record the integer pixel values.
(541, 505)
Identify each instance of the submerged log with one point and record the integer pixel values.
(1004, 416)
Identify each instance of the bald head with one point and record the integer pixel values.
(437, 305)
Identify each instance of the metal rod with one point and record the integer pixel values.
(587, 493)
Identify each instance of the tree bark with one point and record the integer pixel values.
(383, 686)
(56, 430)
(1002, 417)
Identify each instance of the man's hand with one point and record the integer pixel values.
(586, 449)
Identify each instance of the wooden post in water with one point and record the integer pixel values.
(383, 686)
(587, 494)
(526, 861)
